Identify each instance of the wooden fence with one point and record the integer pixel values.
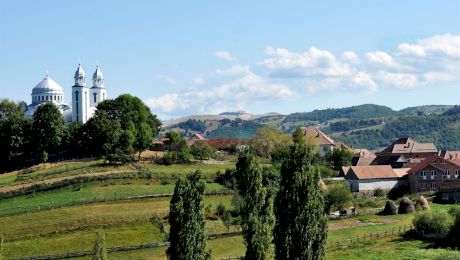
(119, 248)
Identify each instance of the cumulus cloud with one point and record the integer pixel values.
(166, 78)
(224, 55)
(284, 73)
(234, 95)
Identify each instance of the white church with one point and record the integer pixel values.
(84, 99)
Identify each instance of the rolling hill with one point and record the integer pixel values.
(369, 126)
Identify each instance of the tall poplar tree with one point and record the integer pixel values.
(301, 223)
(187, 236)
(256, 209)
(48, 128)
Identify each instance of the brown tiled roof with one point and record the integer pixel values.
(401, 172)
(345, 170)
(317, 134)
(373, 172)
(197, 136)
(409, 145)
(361, 161)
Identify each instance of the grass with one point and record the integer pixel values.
(207, 170)
(73, 218)
(87, 192)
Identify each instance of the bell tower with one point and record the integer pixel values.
(80, 97)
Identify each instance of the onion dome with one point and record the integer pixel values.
(80, 72)
(47, 85)
(98, 78)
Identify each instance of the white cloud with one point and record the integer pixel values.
(234, 95)
(198, 81)
(166, 78)
(446, 44)
(351, 57)
(234, 70)
(400, 80)
(314, 62)
(364, 79)
(224, 55)
(382, 58)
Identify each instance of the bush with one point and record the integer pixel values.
(422, 204)
(202, 151)
(454, 234)
(338, 197)
(406, 206)
(390, 208)
(379, 192)
(432, 225)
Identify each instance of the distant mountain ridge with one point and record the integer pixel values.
(366, 126)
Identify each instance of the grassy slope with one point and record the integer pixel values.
(88, 192)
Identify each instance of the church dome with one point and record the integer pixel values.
(47, 85)
(97, 74)
(80, 72)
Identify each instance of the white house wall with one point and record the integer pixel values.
(373, 184)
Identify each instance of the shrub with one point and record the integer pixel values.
(454, 234)
(379, 192)
(406, 206)
(390, 208)
(431, 225)
(422, 204)
(220, 210)
(338, 197)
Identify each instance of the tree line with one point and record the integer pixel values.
(118, 129)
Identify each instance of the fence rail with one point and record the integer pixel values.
(119, 248)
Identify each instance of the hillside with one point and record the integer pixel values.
(369, 126)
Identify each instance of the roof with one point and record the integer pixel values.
(409, 145)
(196, 136)
(450, 155)
(401, 172)
(47, 85)
(429, 160)
(372, 172)
(80, 72)
(364, 153)
(97, 73)
(345, 169)
(320, 136)
(361, 161)
(388, 159)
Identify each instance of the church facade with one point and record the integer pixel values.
(84, 99)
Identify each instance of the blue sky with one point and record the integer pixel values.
(199, 57)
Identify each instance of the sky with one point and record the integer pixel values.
(208, 57)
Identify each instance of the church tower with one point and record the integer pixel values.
(80, 97)
(98, 91)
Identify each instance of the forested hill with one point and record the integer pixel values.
(367, 126)
(354, 112)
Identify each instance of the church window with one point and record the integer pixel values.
(76, 96)
(94, 94)
(103, 96)
(46, 98)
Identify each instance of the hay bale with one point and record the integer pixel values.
(390, 208)
(422, 204)
(406, 206)
(322, 185)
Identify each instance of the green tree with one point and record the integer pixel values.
(301, 223)
(1, 249)
(256, 209)
(14, 135)
(268, 139)
(187, 236)
(339, 157)
(100, 252)
(47, 128)
(202, 151)
(297, 136)
(338, 197)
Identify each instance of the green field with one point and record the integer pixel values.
(30, 228)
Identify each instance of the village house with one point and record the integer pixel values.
(323, 142)
(370, 178)
(436, 174)
(362, 157)
(410, 149)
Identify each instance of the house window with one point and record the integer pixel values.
(434, 174)
(423, 175)
(447, 174)
(423, 185)
(434, 185)
(456, 174)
